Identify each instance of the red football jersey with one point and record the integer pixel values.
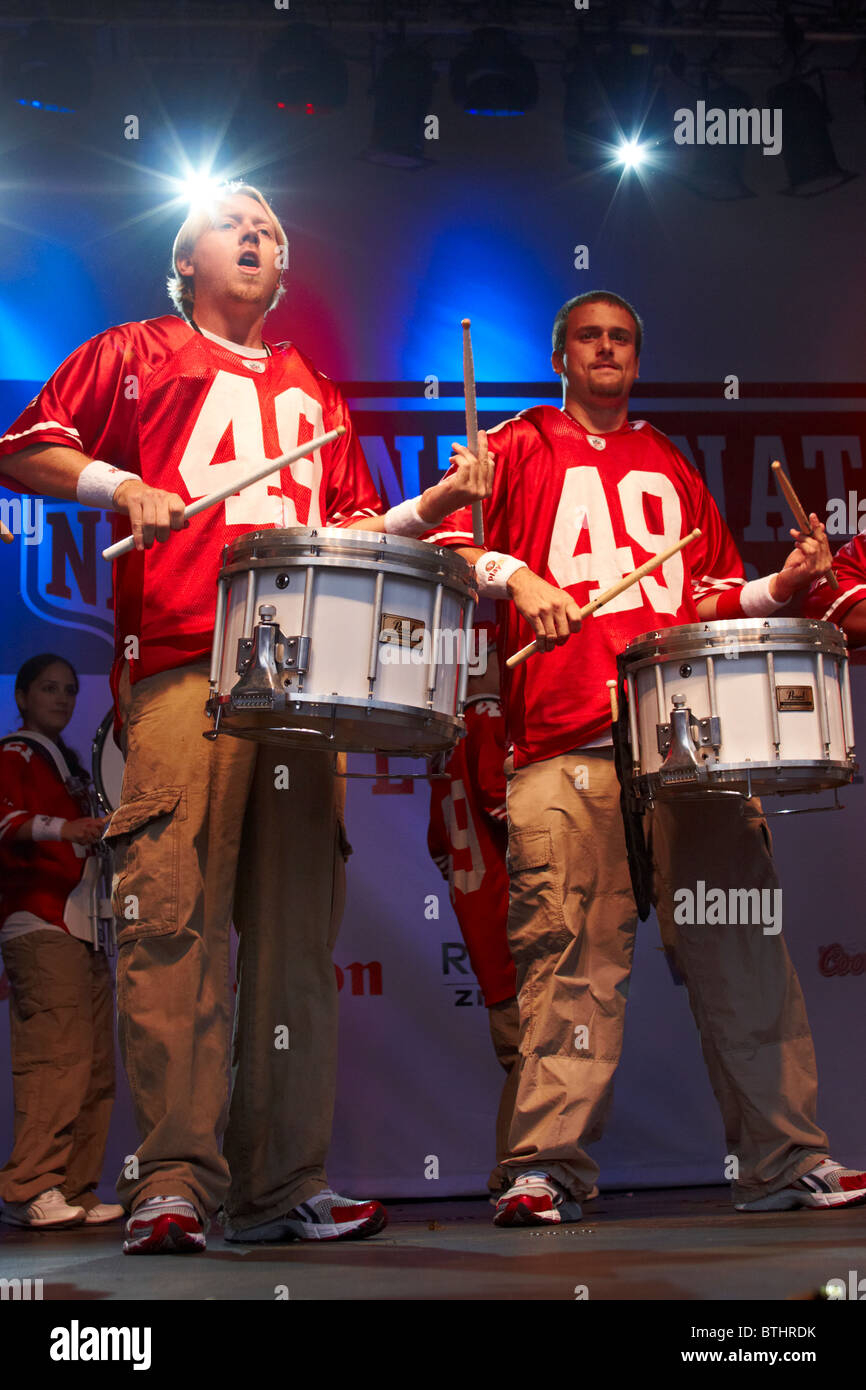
(849, 566)
(468, 837)
(582, 511)
(189, 415)
(35, 876)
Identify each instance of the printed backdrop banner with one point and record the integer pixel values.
(418, 1080)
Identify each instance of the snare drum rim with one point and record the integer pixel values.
(305, 546)
(463, 586)
(762, 634)
(100, 738)
(415, 714)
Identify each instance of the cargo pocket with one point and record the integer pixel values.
(144, 835)
(47, 1000)
(536, 922)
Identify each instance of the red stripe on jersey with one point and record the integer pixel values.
(849, 566)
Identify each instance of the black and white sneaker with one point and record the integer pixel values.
(327, 1216)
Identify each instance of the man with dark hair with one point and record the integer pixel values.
(581, 497)
(595, 297)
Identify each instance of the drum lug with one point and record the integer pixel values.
(245, 648)
(681, 763)
(257, 687)
(296, 654)
(710, 732)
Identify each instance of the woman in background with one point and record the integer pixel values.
(61, 1001)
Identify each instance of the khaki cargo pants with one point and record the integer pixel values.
(571, 928)
(208, 832)
(61, 1016)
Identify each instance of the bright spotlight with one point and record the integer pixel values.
(199, 186)
(631, 154)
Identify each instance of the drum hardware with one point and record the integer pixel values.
(708, 733)
(681, 762)
(808, 810)
(779, 717)
(311, 669)
(435, 771)
(107, 764)
(265, 657)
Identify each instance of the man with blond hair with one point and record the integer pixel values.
(202, 835)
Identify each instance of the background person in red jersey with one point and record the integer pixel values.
(61, 999)
(468, 839)
(845, 606)
(186, 404)
(581, 496)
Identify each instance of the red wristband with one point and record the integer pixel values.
(729, 603)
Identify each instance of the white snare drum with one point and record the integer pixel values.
(348, 640)
(751, 705)
(107, 764)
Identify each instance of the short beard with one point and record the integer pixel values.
(599, 389)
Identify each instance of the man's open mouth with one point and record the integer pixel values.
(249, 260)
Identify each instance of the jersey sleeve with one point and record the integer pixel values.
(78, 406)
(849, 566)
(350, 491)
(16, 781)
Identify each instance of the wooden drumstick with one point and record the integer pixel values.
(626, 583)
(796, 506)
(262, 471)
(614, 702)
(471, 422)
(5, 534)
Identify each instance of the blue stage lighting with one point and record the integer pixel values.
(46, 71)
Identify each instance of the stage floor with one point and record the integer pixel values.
(686, 1244)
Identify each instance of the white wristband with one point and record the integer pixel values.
(98, 482)
(405, 519)
(756, 600)
(48, 827)
(493, 571)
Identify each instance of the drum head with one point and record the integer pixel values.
(108, 765)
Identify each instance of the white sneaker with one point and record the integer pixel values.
(827, 1185)
(536, 1199)
(102, 1213)
(164, 1226)
(49, 1209)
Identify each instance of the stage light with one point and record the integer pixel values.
(45, 71)
(199, 186)
(304, 73)
(715, 172)
(490, 77)
(402, 95)
(612, 116)
(632, 154)
(807, 150)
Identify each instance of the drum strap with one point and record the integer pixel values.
(51, 754)
(639, 861)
